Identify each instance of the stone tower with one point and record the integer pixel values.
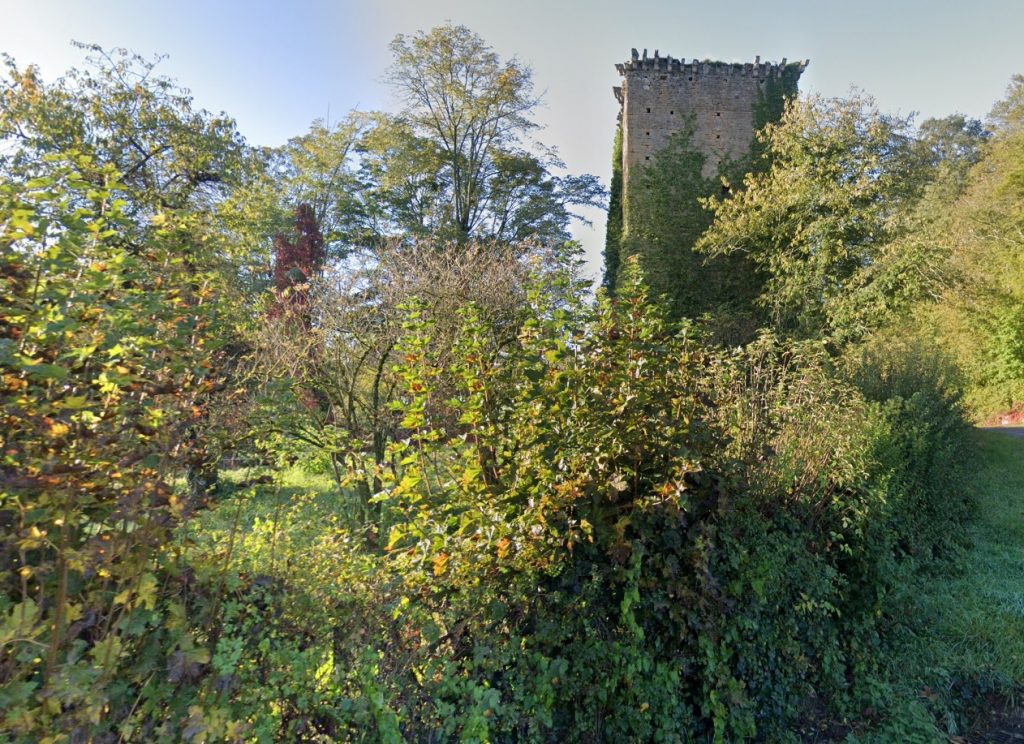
(660, 96)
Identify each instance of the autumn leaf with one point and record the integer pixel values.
(440, 564)
(58, 429)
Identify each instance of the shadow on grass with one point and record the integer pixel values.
(958, 650)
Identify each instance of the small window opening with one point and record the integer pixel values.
(648, 110)
(718, 113)
(690, 79)
(718, 136)
(647, 157)
(671, 113)
(648, 134)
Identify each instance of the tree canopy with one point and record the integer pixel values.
(465, 128)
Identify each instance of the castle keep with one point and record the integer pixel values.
(660, 96)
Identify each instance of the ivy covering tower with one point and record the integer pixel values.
(686, 130)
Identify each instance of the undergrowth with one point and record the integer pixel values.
(609, 531)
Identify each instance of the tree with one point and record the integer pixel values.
(112, 345)
(463, 135)
(823, 219)
(332, 387)
(117, 109)
(296, 264)
(319, 169)
(982, 316)
(175, 165)
(613, 227)
(952, 141)
(455, 164)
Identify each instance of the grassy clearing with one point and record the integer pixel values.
(960, 648)
(982, 627)
(270, 523)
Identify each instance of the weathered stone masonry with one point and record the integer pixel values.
(659, 94)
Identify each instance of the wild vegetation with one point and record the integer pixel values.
(332, 443)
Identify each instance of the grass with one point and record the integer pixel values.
(256, 524)
(959, 651)
(294, 489)
(982, 626)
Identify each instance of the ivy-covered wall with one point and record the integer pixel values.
(613, 231)
(771, 103)
(655, 212)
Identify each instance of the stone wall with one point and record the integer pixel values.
(659, 94)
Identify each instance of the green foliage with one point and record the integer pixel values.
(665, 220)
(458, 155)
(818, 222)
(667, 216)
(113, 345)
(532, 517)
(614, 226)
(605, 531)
(955, 651)
(107, 355)
(980, 314)
(580, 537)
(774, 95)
(117, 109)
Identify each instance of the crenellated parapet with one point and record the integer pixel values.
(757, 68)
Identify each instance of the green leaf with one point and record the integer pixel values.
(397, 533)
(47, 371)
(106, 652)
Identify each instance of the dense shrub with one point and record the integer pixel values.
(611, 532)
(920, 444)
(607, 531)
(108, 356)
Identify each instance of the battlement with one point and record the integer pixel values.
(669, 64)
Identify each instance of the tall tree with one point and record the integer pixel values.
(613, 227)
(119, 111)
(464, 129)
(115, 337)
(319, 169)
(982, 317)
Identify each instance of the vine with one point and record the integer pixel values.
(613, 231)
(666, 219)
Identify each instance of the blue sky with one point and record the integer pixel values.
(276, 66)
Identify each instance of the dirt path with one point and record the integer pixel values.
(1014, 431)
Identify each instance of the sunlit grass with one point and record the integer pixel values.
(261, 526)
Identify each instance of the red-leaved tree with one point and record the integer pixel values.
(296, 262)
